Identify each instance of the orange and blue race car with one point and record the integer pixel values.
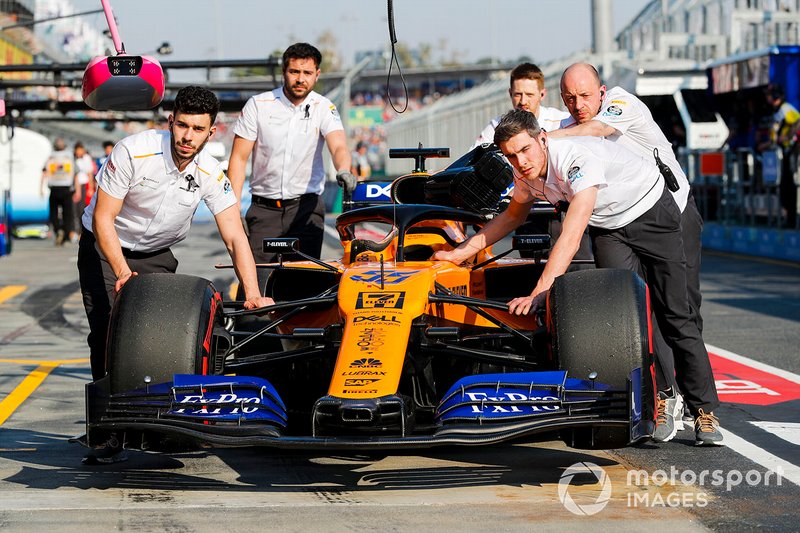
(384, 348)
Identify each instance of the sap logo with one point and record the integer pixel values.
(390, 277)
(375, 190)
(366, 362)
(363, 382)
(375, 318)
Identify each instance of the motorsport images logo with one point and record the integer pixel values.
(566, 489)
(661, 488)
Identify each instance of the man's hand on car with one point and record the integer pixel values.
(526, 305)
(346, 181)
(258, 302)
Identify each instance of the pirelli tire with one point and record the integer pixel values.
(599, 324)
(161, 324)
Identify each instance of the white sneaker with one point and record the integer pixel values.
(669, 416)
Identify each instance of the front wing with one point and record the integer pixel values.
(229, 411)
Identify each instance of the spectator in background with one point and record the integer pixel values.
(783, 137)
(108, 146)
(360, 166)
(59, 175)
(84, 183)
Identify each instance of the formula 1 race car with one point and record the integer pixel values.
(386, 347)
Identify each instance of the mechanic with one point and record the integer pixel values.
(630, 213)
(59, 175)
(621, 117)
(283, 130)
(527, 92)
(148, 190)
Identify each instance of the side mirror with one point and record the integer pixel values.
(123, 83)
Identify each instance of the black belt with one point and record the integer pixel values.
(272, 202)
(126, 252)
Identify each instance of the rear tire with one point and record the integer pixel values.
(599, 323)
(161, 325)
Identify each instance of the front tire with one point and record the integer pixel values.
(599, 324)
(161, 324)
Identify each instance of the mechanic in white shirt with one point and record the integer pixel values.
(527, 92)
(59, 176)
(283, 130)
(148, 191)
(623, 199)
(622, 117)
(84, 179)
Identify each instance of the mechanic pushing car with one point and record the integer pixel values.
(527, 92)
(624, 200)
(621, 117)
(148, 191)
(283, 130)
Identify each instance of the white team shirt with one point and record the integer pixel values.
(287, 156)
(628, 185)
(159, 201)
(84, 167)
(60, 169)
(639, 133)
(549, 119)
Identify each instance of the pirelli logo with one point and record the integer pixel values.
(380, 300)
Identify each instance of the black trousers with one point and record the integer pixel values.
(304, 219)
(97, 281)
(653, 244)
(691, 231)
(61, 210)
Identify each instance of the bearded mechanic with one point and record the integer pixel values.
(624, 201)
(621, 117)
(283, 130)
(148, 190)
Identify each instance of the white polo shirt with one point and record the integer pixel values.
(628, 185)
(60, 168)
(639, 133)
(287, 156)
(549, 119)
(159, 201)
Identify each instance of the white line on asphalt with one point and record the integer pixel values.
(761, 456)
(749, 450)
(788, 431)
(764, 367)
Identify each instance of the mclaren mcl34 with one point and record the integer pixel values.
(384, 348)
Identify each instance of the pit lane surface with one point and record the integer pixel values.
(751, 308)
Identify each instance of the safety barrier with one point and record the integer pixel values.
(743, 187)
(748, 200)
